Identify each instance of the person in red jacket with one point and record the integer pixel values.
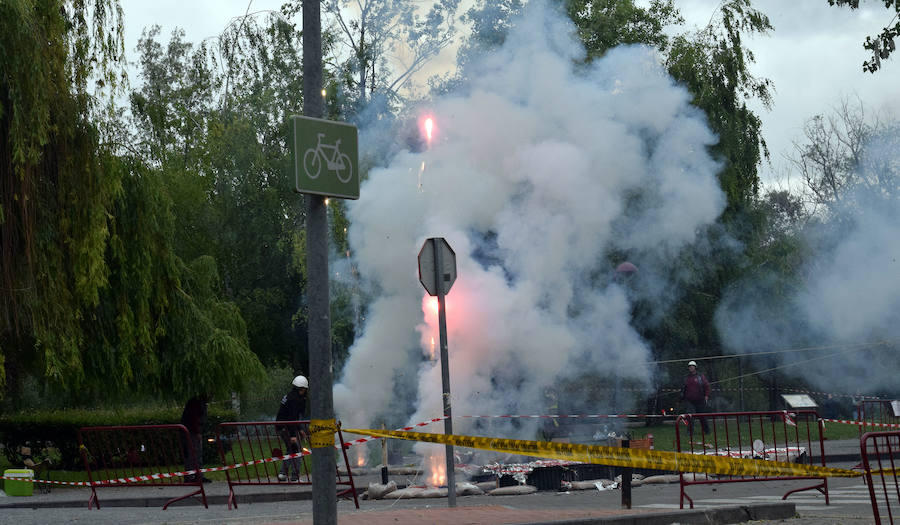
(695, 394)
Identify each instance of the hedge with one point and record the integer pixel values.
(58, 430)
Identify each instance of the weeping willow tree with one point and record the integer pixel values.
(93, 300)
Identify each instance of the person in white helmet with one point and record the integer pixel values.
(695, 394)
(292, 408)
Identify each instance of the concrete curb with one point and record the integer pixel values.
(715, 516)
(157, 501)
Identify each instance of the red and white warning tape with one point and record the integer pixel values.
(168, 475)
(570, 416)
(862, 423)
(348, 444)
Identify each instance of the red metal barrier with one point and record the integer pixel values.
(875, 411)
(138, 456)
(253, 445)
(880, 453)
(793, 437)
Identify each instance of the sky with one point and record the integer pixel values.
(814, 55)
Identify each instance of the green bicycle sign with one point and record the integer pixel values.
(325, 155)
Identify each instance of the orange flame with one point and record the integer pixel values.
(360, 457)
(437, 471)
(432, 348)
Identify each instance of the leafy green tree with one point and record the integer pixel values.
(604, 24)
(91, 280)
(56, 187)
(881, 45)
(714, 65)
(222, 111)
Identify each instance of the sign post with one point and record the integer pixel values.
(325, 164)
(437, 272)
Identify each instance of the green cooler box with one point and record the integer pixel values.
(18, 488)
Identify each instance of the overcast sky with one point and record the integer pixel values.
(814, 55)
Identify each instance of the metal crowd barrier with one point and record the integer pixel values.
(246, 443)
(789, 436)
(875, 411)
(138, 456)
(880, 453)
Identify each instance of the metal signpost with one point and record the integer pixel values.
(325, 164)
(437, 272)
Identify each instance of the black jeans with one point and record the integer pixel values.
(193, 454)
(291, 448)
(698, 407)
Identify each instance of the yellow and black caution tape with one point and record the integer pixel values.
(622, 457)
(322, 432)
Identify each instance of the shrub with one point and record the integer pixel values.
(55, 433)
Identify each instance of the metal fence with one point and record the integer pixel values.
(880, 453)
(788, 436)
(139, 456)
(255, 445)
(875, 411)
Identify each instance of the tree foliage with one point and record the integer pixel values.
(714, 65)
(96, 302)
(881, 45)
(604, 24)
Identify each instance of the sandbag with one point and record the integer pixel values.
(662, 478)
(432, 492)
(378, 491)
(408, 492)
(487, 486)
(464, 488)
(587, 484)
(514, 490)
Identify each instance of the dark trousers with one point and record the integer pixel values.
(698, 407)
(291, 448)
(193, 452)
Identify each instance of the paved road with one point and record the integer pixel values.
(849, 505)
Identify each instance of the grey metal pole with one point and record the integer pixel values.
(324, 486)
(439, 280)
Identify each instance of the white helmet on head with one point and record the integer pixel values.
(692, 363)
(300, 382)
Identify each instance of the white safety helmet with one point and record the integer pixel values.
(300, 382)
(692, 363)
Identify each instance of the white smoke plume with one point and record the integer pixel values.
(846, 307)
(527, 178)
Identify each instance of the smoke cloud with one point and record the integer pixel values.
(528, 177)
(845, 301)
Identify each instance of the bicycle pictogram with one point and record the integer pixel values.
(335, 161)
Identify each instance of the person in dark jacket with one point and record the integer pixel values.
(193, 417)
(292, 408)
(695, 394)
